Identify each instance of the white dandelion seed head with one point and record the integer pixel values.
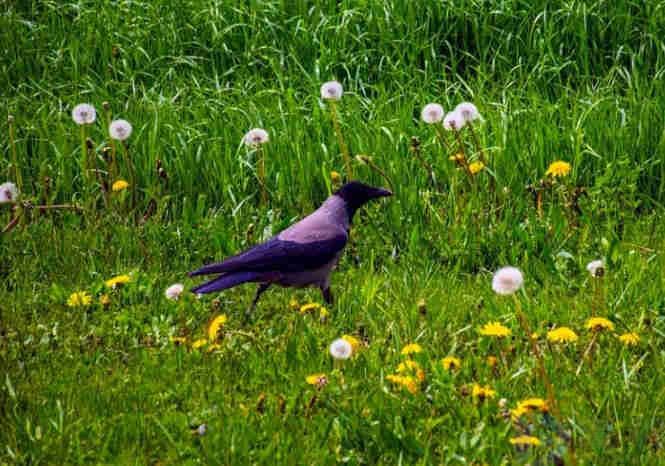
(432, 113)
(255, 137)
(84, 114)
(332, 90)
(468, 111)
(8, 192)
(454, 121)
(202, 429)
(174, 291)
(120, 129)
(596, 268)
(341, 349)
(507, 280)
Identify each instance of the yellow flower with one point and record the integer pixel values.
(495, 329)
(105, 300)
(411, 366)
(214, 347)
(451, 363)
(353, 341)
(308, 307)
(199, 343)
(407, 382)
(561, 335)
(535, 336)
(482, 393)
(215, 325)
(630, 339)
(335, 177)
(178, 340)
(475, 167)
(79, 299)
(323, 314)
(558, 168)
(492, 361)
(411, 348)
(459, 158)
(528, 406)
(119, 185)
(294, 304)
(118, 281)
(525, 440)
(320, 380)
(597, 324)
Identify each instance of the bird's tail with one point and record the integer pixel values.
(228, 281)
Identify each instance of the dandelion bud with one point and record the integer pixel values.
(84, 114)
(453, 121)
(10, 119)
(596, 268)
(468, 111)
(89, 144)
(8, 193)
(120, 130)
(332, 90)
(507, 280)
(341, 349)
(106, 106)
(255, 137)
(432, 113)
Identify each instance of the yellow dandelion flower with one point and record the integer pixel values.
(79, 299)
(215, 325)
(304, 309)
(117, 281)
(406, 382)
(476, 167)
(335, 177)
(119, 185)
(492, 361)
(534, 336)
(411, 366)
(533, 404)
(105, 300)
(459, 158)
(199, 343)
(451, 363)
(558, 168)
(214, 347)
(562, 335)
(294, 304)
(320, 380)
(597, 324)
(525, 441)
(323, 314)
(353, 341)
(178, 340)
(411, 348)
(630, 339)
(482, 393)
(495, 329)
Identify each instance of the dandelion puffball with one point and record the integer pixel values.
(255, 137)
(507, 280)
(120, 129)
(468, 111)
(432, 113)
(332, 90)
(341, 349)
(454, 121)
(84, 114)
(174, 291)
(8, 192)
(596, 268)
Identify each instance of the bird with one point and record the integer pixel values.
(302, 255)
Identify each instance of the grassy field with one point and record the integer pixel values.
(122, 379)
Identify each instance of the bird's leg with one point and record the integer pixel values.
(259, 291)
(327, 295)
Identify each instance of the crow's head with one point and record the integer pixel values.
(356, 194)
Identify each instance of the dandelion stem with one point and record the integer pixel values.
(376, 168)
(476, 141)
(340, 140)
(132, 173)
(261, 169)
(465, 162)
(587, 353)
(442, 138)
(113, 165)
(12, 143)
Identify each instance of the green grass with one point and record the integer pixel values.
(577, 81)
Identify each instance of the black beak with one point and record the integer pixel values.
(380, 192)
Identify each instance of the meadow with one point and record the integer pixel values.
(101, 366)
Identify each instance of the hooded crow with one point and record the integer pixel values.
(302, 255)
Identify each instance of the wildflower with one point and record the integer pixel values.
(174, 291)
(533, 404)
(525, 441)
(458, 158)
(323, 314)
(79, 299)
(476, 167)
(105, 300)
(214, 347)
(119, 185)
(558, 168)
(199, 343)
(320, 380)
(118, 281)
(178, 340)
(413, 367)
(411, 348)
(215, 325)
(332, 90)
(353, 341)
(629, 339)
(482, 393)
(495, 329)
(304, 309)
(255, 137)
(596, 268)
(407, 382)
(341, 349)
(432, 113)
(507, 280)
(120, 130)
(453, 121)
(335, 177)
(468, 111)
(534, 336)
(451, 363)
(200, 430)
(597, 324)
(8, 192)
(84, 114)
(562, 335)
(293, 304)
(492, 361)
